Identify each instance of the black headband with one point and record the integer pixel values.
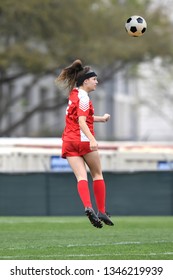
(82, 78)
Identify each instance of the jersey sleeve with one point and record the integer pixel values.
(83, 106)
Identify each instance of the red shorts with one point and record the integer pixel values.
(74, 148)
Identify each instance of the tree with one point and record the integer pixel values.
(39, 37)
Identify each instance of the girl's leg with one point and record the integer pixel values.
(93, 161)
(79, 168)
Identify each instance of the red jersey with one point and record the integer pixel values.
(79, 105)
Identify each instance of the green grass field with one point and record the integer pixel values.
(74, 238)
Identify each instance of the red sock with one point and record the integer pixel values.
(99, 189)
(84, 193)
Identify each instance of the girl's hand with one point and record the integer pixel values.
(106, 117)
(93, 145)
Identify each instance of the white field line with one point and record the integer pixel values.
(89, 245)
(119, 243)
(83, 255)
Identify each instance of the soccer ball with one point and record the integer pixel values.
(136, 26)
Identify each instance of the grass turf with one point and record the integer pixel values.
(74, 238)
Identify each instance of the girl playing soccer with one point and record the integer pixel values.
(79, 145)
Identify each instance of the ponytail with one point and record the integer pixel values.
(71, 74)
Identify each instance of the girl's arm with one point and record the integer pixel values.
(85, 129)
(103, 118)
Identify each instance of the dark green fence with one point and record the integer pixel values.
(138, 193)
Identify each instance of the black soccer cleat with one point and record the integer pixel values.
(93, 217)
(104, 218)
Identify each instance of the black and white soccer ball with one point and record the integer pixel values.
(136, 26)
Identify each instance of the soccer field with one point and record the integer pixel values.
(74, 238)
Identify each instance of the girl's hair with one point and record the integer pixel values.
(72, 73)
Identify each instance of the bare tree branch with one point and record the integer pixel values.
(41, 107)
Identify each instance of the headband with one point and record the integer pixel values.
(82, 78)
